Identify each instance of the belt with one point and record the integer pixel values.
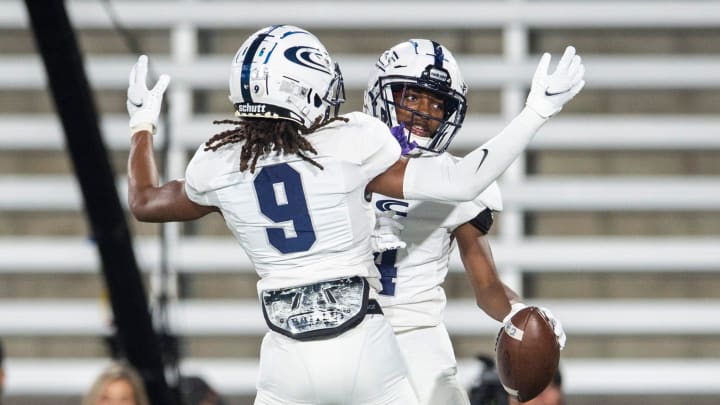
(321, 310)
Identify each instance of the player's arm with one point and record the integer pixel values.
(147, 199)
(491, 294)
(444, 181)
(390, 182)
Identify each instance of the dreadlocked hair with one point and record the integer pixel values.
(263, 136)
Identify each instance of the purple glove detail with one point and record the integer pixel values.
(399, 133)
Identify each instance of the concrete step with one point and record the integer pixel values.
(617, 40)
(238, 347)
(242, 285)
(568, 285)
(539, 162)
(538, 223)
(588, 223)
(624, 163)
(622, 285)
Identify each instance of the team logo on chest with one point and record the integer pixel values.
(400, 207)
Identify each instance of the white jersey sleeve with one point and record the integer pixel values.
(464, 212)
(377, 147)
(196, 192)
(195, 195)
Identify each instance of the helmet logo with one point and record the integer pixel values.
(386, 59)
(440, 75)
(400, 207)
(308, 57)
(250, 108)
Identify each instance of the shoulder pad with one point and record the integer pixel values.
(491, 197)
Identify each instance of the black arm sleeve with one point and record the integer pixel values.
(483, 221)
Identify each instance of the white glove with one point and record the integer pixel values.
(549, 93)
(386, 235)
(144, 105)
(557, 326)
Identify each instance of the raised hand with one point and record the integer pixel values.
(550, 92)
(144, 105)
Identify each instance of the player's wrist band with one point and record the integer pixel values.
(146, 126)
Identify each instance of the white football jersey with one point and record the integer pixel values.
(412, 277)
(297, 223)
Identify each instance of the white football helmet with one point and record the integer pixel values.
(285, 72)
(424, 64)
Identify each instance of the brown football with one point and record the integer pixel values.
(527, 354)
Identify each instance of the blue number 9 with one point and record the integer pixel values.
(281, 198)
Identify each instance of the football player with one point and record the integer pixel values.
(417, 89)
(290, 180)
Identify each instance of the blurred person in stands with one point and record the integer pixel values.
(552, 395)
(488, 390)
(118, 384)
(196, 391)
(290, 180)
(417, 89)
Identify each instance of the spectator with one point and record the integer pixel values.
(489, 391)
(552, 395)
(196, 391)
(118, 384)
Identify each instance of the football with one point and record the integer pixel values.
(527, 354)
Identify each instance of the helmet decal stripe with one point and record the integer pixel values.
(439, 55)
(415, 46)
(270, 53)
(247, 62)
(287, 34)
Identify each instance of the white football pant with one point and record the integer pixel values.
(363, 366)
(431, 362)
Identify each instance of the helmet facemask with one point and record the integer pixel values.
(424, 66)
(392, 95)
(335, 95)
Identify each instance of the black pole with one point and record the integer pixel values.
(58, 46)
(169, 342)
